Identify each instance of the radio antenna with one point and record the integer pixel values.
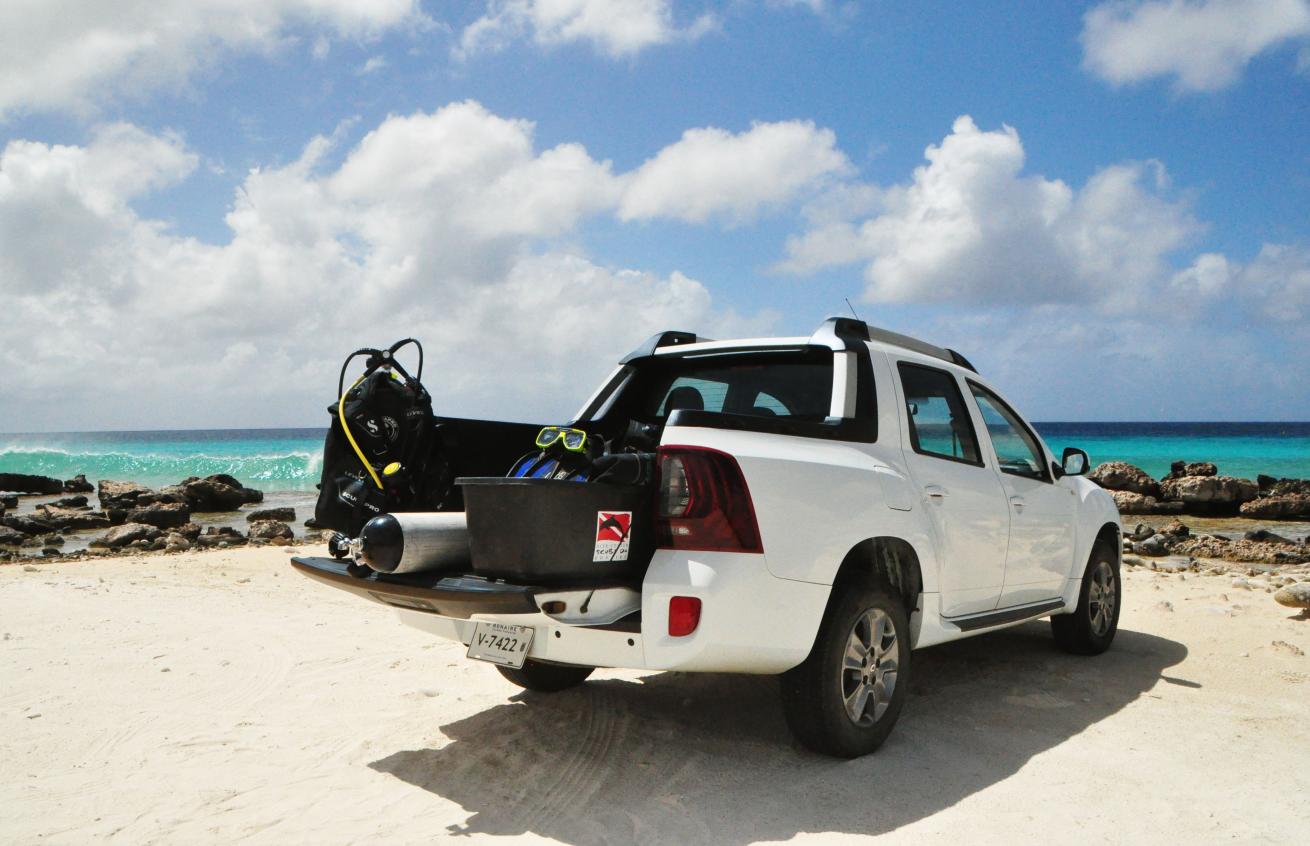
(851, 307)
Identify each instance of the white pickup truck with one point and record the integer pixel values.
(823, 507)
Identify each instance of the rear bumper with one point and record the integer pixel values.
(459, 597)
(751, 621)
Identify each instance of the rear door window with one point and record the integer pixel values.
(938, 418)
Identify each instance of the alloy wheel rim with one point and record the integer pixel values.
(1101, 599)
(869, 667)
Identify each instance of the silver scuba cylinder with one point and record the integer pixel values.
(414, 542)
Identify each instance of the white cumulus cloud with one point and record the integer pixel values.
(450, 226)
(616, 28)
(1202, 44)
(72, 53)
(64, 215)
(971, 226)
(710, 172)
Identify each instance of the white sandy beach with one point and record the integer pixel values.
(220, 697)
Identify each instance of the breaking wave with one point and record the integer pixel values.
(291, 470)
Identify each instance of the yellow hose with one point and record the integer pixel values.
(341, 414)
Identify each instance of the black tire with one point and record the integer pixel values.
(545, 678)
(1090, 629)
(815, 694)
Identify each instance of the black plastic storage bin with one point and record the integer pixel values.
(547, 531)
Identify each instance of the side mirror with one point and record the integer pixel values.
(1074, 462)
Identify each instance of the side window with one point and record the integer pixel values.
(939, 421)
(1016, 449)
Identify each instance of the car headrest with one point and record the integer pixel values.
(685, 397)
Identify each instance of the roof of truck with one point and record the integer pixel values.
(835, 332)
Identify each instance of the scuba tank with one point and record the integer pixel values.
(412, 543)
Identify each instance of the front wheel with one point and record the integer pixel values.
(845, 698)
(545, 678)
(1090, 629)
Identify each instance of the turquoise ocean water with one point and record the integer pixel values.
(291, 459)
(268, 459)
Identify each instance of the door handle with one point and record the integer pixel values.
(935, 491)
(1017, 502)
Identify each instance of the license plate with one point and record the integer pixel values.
(501, 643)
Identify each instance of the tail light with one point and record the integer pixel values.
(684, 615)
(704, 503)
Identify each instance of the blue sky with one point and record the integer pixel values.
(1112, 220)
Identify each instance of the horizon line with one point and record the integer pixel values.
(324, 428)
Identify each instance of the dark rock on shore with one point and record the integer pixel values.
(78, 484)
(11, 537)
(1179, 469)
(27, 525)
(71, 502)
(1155, 543)
(1176, 539)
(1284, 507)
(219, 492)
(270, 530)
(221, 536)
(1209, 494)
(1122, 476)
(1266, 536)
(161, 515)
(1134, 503)
(121, 495)
(1243, 550)
(1269, 486)
(71, 519)
(24, 483)
(129, 533)
(1197, 488)
(9, 501)
(283, 515)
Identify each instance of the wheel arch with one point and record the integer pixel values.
(1110, 535)
(890, 561)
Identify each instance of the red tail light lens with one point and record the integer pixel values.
(704, 503)
(684, 615)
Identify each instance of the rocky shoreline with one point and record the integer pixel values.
(133, 518)
(1197, 488)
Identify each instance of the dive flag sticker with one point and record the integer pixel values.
(612, 541)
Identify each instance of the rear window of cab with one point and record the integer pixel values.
(792, 384)
(783, 391)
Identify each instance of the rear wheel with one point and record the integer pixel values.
(545, 678)
(845, 698)
(1090, 629)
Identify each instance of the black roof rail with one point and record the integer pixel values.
(852, 331)
(663, 339)
(961, 360)
(841, 333)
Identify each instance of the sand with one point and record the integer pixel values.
(219, 697)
